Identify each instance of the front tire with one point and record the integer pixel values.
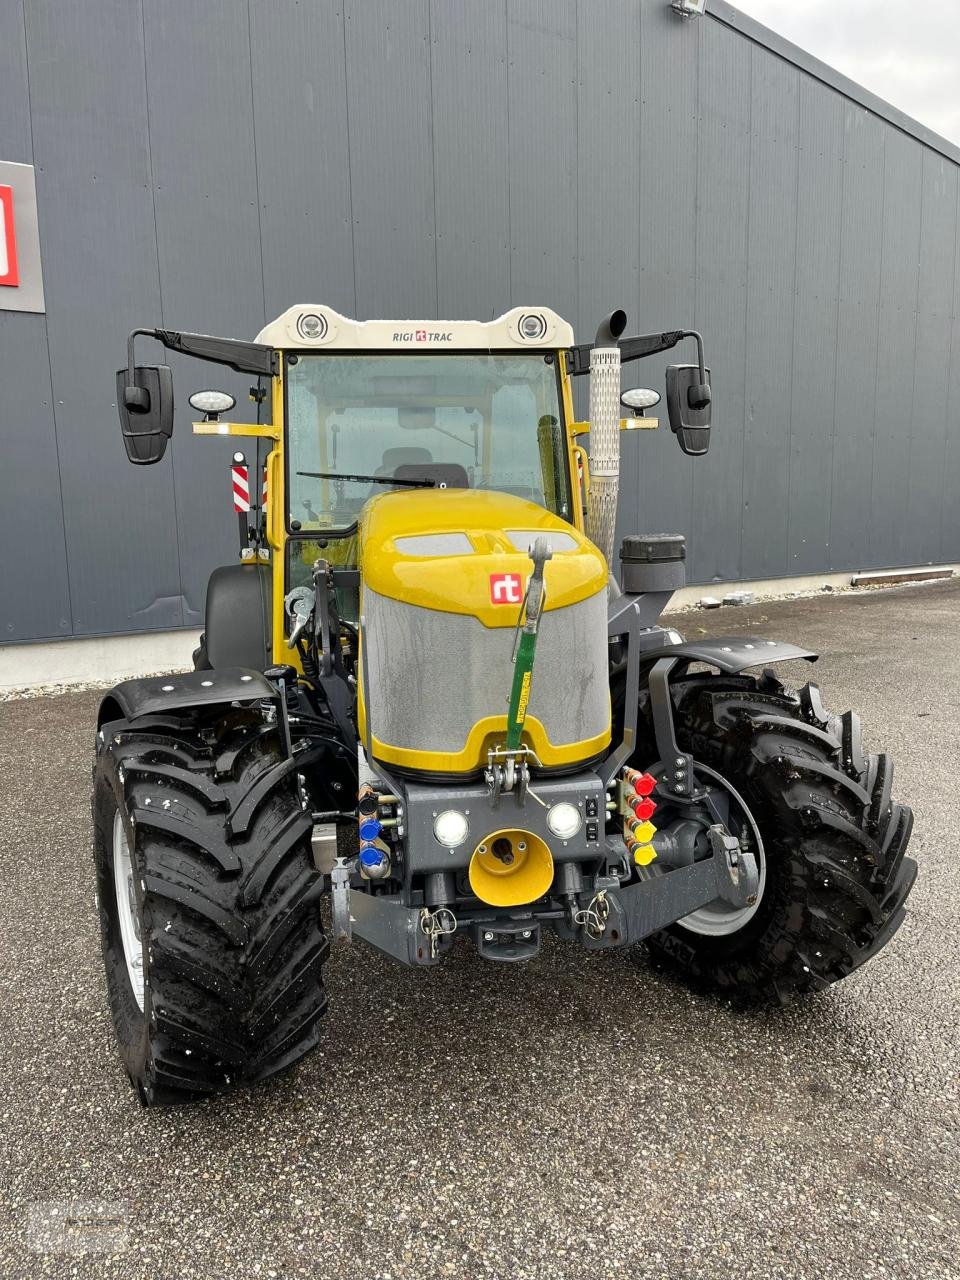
(836, 878)
(216, 909)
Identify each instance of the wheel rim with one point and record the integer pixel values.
(718, 919)
(127, 914)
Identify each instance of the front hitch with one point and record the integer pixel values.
(637, 910)
(739, 865)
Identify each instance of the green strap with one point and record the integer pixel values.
(520, 691)
(526, 645)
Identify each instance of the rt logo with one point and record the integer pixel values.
(506, 588)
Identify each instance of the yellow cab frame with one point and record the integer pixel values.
(578, 477)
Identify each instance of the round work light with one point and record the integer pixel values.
(451, 827)
(564, 820)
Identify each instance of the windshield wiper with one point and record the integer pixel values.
(392, 480)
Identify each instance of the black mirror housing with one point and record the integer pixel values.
(145, 407)
(688, 404)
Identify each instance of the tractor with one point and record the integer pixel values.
(426, 712)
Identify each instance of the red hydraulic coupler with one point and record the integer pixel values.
(642, 783)
(638, 830)
(642, 806)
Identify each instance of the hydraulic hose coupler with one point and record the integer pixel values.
(373, 862)
(639, 806)
(370, 829)
(368, 802)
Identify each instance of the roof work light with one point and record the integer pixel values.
(689, 8)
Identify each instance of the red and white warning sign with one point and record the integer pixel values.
(240, 477)
(9, 268)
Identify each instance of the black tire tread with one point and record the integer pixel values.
(834, 839)
(230, 909)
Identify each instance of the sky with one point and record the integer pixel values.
(904, 51)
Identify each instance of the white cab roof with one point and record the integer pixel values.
(322, 328)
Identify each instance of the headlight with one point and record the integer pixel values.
(564, 820)
(212, 401)
(532, 326)
(450, 827)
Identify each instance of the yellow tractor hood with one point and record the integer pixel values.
(465, 551)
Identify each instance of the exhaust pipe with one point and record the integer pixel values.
(610, 329)
(605, 434)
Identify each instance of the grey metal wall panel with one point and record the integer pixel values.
(542, 102)
(666, 230)
(926, 478)
(451, 157)
(858, 327)
(208, 245)
(950, 498)
(391, 158)
(15, 141)
(97, 234)
(34, 590)
(723, 204)
(771, 281)
(896, 352)
(666, 158)
(813, 385)
(33, 581)
(608, 182)
(469, 66)
(302, 154)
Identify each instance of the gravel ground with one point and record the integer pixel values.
(577, 1116)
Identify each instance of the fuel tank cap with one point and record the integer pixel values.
(653, 548)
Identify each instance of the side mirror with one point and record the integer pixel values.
(638, 399)
(145, 406)
(688, 403)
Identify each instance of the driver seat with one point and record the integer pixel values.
(402, 455)
(410, 462)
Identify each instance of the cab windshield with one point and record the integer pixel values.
(370, 422)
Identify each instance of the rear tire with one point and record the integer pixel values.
(223, 896)
(834, 839)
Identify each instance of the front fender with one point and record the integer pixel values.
(155, 695)
(730, 654)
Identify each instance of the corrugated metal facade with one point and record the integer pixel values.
(203, 167)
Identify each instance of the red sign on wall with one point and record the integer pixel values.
(9, 271)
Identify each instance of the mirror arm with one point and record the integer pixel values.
(698, 397)
(134, 397)
(245, 357)
(578, 358)
(649, 345)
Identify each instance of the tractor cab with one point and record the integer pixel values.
(380, 406)
(362, 407)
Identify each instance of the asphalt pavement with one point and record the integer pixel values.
(579, 1116)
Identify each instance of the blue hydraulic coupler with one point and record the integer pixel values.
(370, 828)
(374, 862)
